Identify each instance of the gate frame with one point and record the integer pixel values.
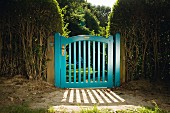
(57, 59)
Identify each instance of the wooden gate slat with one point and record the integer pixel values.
(79, 57)
(98, 62)
(94, 47)
(103, 67)
(69, 62)
(75, 62)
(89, 61)
(84, 60)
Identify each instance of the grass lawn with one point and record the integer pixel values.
(24, 108)
(139, 110)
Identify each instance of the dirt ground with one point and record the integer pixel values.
(40, 94)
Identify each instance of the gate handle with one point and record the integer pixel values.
(63, 50)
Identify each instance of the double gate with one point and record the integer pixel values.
(87, 61)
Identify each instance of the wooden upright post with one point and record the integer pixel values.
(50, 62)
(122, 60)
(117, 59)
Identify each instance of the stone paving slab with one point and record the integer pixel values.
(72, 109)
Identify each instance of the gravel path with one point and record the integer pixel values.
(76, 99)
(40, 94)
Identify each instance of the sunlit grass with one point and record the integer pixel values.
(143, 110)
(156, 109)
(24, 108)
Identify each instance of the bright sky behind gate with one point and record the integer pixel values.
(108, 3)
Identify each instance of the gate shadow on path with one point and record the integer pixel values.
(90, 97)
(76, 99)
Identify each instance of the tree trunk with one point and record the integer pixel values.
(0, 48)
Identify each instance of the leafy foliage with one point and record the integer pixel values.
(102, 13)
(25, 28)
(91, 21)
(26, 25)
(83, 18)
(143, 25)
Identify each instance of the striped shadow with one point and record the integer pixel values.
(91, 96)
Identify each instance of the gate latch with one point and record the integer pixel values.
(63, 50)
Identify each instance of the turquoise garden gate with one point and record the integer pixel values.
(87, 61)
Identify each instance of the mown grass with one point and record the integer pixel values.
(23, 108)
(156, 109)
(143, 110)
(95, 110)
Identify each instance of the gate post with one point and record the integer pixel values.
(117, 59)
(122, 60)
(57, 57)
(50, 63)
